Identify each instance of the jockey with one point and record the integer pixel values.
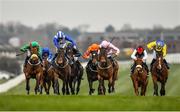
(111, 49)
(60, 40)
(92, 47)
(139, 52)
(26, 48)
(47, 51)
(158, 45)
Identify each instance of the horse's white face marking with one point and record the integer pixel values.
(159, 64)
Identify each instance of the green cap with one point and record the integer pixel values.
(34, 44)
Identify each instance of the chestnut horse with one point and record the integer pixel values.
(61, 69)
(159, 74)
(91, 70)
(34, 69)
(139, 77)
(76, 71)
(105, 72)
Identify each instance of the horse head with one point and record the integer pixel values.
(94, 56)
(103, 56)
(45, 59)
(139, 64)
(159, 59)
(34, 59)
(70, 52)
(60, 56)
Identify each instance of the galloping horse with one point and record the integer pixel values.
(76, 70)
(139, 77)
(48, 78)
(61, 69)
(105, 72)
(91, 70)
(159, 74)
(34, 69)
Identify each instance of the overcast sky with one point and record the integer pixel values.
(96, 13)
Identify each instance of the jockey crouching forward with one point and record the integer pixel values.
(159, 46)
(28, 48)
(111, 50)
(141, 53)
(60, 40)
(46, 52)
(92, 47)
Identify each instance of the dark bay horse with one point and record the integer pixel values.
(159, 74)
(61, 69)
(34, 69)
(91, 70)
(105, 72)
(139, 77)
(76, 71)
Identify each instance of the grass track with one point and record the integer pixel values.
(123, 99)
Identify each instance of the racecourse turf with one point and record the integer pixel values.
(123, 99)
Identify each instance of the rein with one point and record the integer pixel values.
(62, 66)
(92, 69)
(34, 64)
(104, 67)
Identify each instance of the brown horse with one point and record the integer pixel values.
(76, 71)
(139, 77)
(34, 69)
(91, 70)
(105, 72)
(48, 78)
(159, 74)
(61, 69)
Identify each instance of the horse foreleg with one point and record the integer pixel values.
(104, 89)
(71, 86)
(100, 87)
(67, 85)
(135, 84)
(49, 85)
(78, 85)
(155, 85)
(162, 91)
(27, 85)
(90, 86)
(42, 84)
(56, 84)
(63, 87)
(110, 85)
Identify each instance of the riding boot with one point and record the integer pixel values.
(132, 68)
(76, 52)
(146, 67)
(166, 63)
(112, 60)
(153, 61)
(54, 57)
(26, 61)
(41, 60)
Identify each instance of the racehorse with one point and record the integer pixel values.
(105, 72)
(76, 71)
(34, 69)
(61, 69)
(48, 77)
(159, 73)
(139, 77)
(91, 70)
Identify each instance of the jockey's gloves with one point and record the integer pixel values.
(74, 47)
(28, 53)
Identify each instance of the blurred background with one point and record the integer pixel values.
(128, 22)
